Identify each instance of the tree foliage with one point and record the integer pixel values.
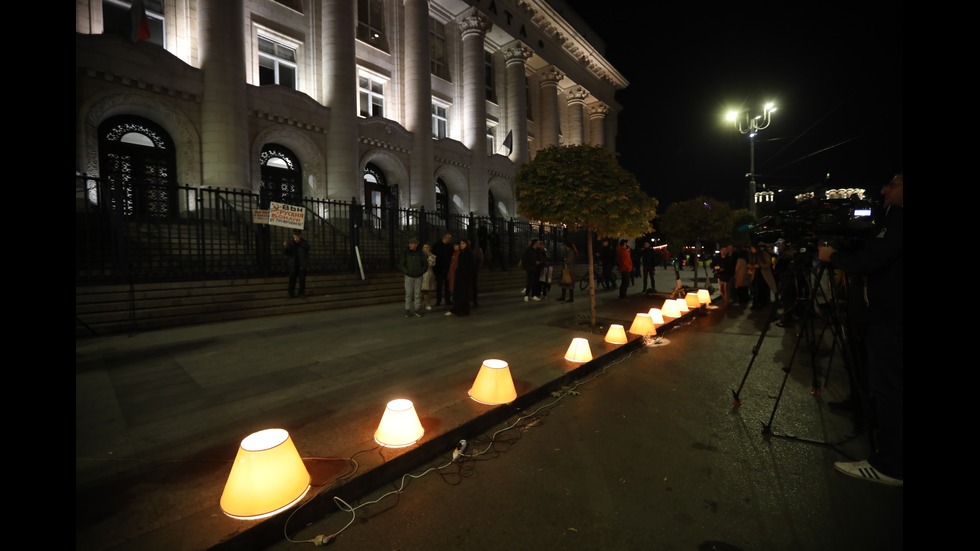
(583, 186)
(701, 219)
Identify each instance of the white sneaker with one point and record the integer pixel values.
(525, 298)
(536, 298)
(864, 471)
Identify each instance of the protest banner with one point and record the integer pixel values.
(287, 216)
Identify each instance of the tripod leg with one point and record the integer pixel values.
(755, 352)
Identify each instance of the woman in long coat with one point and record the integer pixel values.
(462, 280)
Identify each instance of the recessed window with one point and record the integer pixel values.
(438, 55)
(491, 76)
(371, 23)
(371, 96)
(491, 139)
(116, 18)
(277, 63)
(440, 120)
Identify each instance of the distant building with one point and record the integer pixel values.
(390, 103)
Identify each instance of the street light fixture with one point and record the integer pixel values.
(746, 123)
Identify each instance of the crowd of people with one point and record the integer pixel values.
(445, 271)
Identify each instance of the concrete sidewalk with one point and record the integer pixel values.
(159, 415)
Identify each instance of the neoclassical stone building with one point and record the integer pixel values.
(414, 103)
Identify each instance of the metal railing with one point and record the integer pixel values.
(210, 233)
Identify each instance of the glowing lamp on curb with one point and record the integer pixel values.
(670, 311)
(657, 316)
(400, 425)
(493, 385)
(579, 351)
(682, 306)
(643, 326)
(616, 334)
(692, 300)
(704, 296)
(268, 476)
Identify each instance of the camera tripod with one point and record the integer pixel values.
(808, 310)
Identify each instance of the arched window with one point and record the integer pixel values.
(137, 161)
(282, 178)
(376, 196)
(442, 198)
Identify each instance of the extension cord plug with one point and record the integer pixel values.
(322, 540)
(460, 448)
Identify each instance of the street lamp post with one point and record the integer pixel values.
(746, 123)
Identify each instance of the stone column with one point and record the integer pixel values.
(418, 104)
(576, 103)
(340, 96)
(224, 107)
(473, 29)
(597, 119)
(515, 57)
(550, 120)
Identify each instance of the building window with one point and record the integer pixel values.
(488, 69)
(491, 139)
(137, 160)
(282, 179)
(438, 56)
(371, 96)
(371, 23)
(116, 18)
(442, 198)
(440, 120)
(277, 63)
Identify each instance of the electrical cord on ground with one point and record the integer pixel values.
(458, 456)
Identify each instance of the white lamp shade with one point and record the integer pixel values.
(692, 301)
(268, 476)
(494, 384)
(657, 316)
(643, 325)
(400, 425)
(579, 350)
(682, 306)
(669, 310)
(704, 296)
(616, 334)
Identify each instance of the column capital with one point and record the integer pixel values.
(577, 95)
(551, 76)
(474, 23)
(598, 110)
(518, 52)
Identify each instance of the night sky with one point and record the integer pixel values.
(835, 72)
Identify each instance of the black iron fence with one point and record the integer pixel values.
(212, 233)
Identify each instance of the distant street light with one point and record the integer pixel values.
(746, 123)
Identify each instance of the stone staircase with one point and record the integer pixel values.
(114, 309)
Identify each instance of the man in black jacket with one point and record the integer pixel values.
(880, 262)
(298, 253)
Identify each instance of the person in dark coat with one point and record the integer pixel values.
(463, 280)
(297, 252)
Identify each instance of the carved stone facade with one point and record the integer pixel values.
(341, 90)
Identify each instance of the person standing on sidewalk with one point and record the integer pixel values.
(413, 264)
(531, 264)
(880, 262)
(624, 261)
(444, 254)
(648, 261)
(297, 252)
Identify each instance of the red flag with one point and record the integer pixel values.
(139, 25)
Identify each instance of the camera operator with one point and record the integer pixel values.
(880, 262)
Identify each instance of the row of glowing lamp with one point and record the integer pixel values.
(268, 475)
